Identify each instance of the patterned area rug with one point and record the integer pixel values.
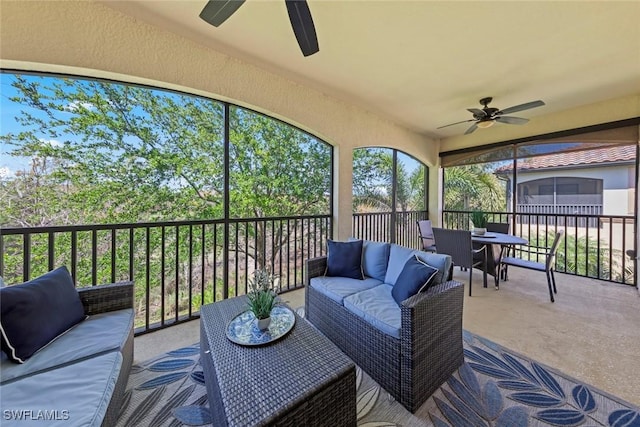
(494, 387)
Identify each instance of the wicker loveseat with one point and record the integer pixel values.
(80, 377)
(410, 355)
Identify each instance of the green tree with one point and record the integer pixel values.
(117, 153)
(372, 175)
(276, 171)
(473, 187)
(129, 152)
(373, 182)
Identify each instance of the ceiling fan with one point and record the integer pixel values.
(217, 11)
(487, 116)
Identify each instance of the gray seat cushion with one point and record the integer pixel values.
(377, 306)
(77, 394)
(337, 288)
(100, 333)
(440, 261)
(519, 262)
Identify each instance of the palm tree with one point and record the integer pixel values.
(473, 187)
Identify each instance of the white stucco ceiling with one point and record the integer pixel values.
(423, 63)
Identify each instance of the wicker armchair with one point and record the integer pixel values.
(412, 367)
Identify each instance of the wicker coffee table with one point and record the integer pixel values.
(302, 379)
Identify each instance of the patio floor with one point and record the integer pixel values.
(591, 332)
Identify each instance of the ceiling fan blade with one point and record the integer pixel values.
(302, 24)
(521, 107)
(456, 123)
(511, 120)
(472, 129)
(478, 113)
(217, 11)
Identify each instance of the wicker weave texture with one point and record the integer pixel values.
(113, 410)
(431, 335)
(101, 299)
(302, 379)
(410, 368)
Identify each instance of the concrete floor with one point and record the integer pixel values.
(591, 332)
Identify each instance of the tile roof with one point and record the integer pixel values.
(625, 153)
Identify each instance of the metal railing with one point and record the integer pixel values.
(400, 228)
(176, 266)
(592, 245)
(582, 213)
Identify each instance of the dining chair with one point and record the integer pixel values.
(498, 227)
(425, 232)
(548, 266)
(498, 250)
(457, 244)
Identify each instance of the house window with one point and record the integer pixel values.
(557, 191)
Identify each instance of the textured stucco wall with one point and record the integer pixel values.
(82, 37)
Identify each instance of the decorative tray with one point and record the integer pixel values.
(485, 235)
(243, 328)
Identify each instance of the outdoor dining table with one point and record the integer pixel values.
(504, 240)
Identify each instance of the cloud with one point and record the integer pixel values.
(76, 105)
(5, 173)
(51, 142)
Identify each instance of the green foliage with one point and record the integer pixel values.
(580, 255)
(473, 187)
(373, 182)
(478, 218)
(107, 153)
(262, 295)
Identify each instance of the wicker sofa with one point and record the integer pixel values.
(410, 356)
(80, 377)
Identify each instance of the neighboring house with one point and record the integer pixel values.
(593, 182)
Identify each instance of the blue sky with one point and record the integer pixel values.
(8, 112)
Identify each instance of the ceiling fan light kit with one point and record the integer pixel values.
(486, 124)
(487, 116)
(215, 12)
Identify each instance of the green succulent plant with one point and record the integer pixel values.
(479, 219)
(262, 295)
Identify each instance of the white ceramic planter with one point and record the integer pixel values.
(263, 324)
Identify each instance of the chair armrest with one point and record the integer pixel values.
(314, 267)
(103, 298)
(430, 339)
(433, 295)
(441, 303)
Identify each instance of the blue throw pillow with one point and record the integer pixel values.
(35, 312)
(344, 259)
(416, 276)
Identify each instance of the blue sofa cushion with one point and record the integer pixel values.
(416, 276)
(337, 288)
(100, 333)
(377, 306)
(36, 312)
(78, 394)
(440, 261)
(375, 257)
(398, 256)
(344, 259)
